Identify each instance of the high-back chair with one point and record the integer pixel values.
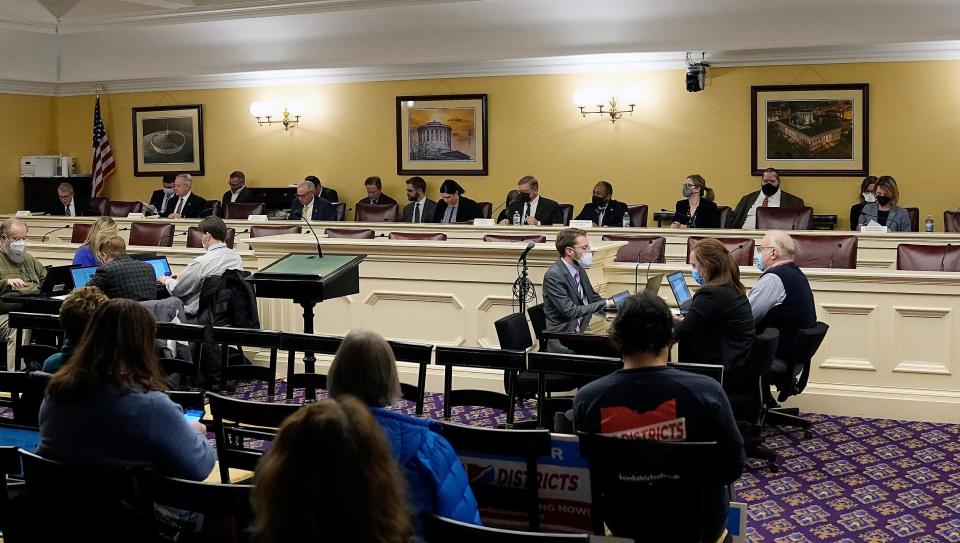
(486, 209)
(99, 205)
(228, 337)
(917, 257)
(640, 248)
(638, 214)
(353, 233)
(243, 210)
(422, 236)
(510, 362)
(784, 218)
(789, 373)
(117, 208)
(740, 248)
(725, 213)
(419, 354)
(376, 212)
(194, 237)
(79, 232)
(914, 214)
(536, 238)
(826, 251)
(151, 234)
(260, 230)
(566, 213)
(309, 379)
(951, 221)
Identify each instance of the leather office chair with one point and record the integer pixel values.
(640, 248)
(260, 231)
(352, 233)
(117, 208)
(826, 251)
(789, 373)
(376, 213)
(242, 211)
(784, 218)
(213, 209)
(100, 205)
(80, 232)
(566, 213)
(951, 221)
(914, 214)
(638, 214)
(425, 236)
(193, 237)
(486, 209)
(743, 387)
(538, 321)
(519, 237)
(151, 234)
(740, 248)
(725, 216)
(341, 212)
(912, 257)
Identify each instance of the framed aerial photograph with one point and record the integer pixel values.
(810, 130)
(168, 139)
(442, 135)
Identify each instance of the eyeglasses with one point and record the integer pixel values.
(16, 239)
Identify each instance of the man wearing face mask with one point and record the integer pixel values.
(533, 208)
(19, 271)
(769, 195)
(567, 293)
(161, 198)
(603, 210)
(217, 259)
(782, 297)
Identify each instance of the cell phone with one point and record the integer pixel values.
(193, 415)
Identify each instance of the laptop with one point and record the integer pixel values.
(81, 275)
(653, 285)
(57, 282)
(160, 265)
(23, 437)
(680, 291)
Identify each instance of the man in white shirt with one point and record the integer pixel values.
(187, 205)
(420, 209)
(70, 205)
(533, 208)
(238, 193)
(217, 259)
(769, 195)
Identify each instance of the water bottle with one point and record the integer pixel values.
(626, 219)
(516, 218)
(928, 226)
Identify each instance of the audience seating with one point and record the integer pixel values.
(188, 399)
(784, 218)
(826, 251)
(638, 214)
(151, 234)
(243, 210)
(538, 321)
(518, 237)
(28, 411)
(79, 232)
(442, 530)
(100, 205)
(726, 212)
(309, 379)
(194, 237)
(245, 337)
(424, 236)
(583, 368)
(951, 221)
(117, 208)
(32, 356)
(12, 384)
(914, 214)
(529, 444)
(225, 507)
(341, 211)
(915, 257)
(419, 354)
(510, 362)
(486, 209)
(741, 248)
(566, 213)
(260, 231)
(376, 212)
(353, 233)
(192, 333)
(789, 373)
(9, 465)
(640, 248)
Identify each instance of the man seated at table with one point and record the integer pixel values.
(238, 193)
(649, 400)
(782, 297)
(420, 209)
(19, 272)
(187, 205)
(533, 208)
(161, 198)
(75, 313)
(216, 259)
(308, 204)
(70, 204)
(769, 195)
(323, 191)
(375, 193)
(121, 276)
(603, 210)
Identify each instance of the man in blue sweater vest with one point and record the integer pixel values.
(782, 298)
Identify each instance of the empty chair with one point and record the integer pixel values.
(151, 234)
(424, 236)
(260, 231)
(566, 213)
(741, 248)
(194, 237)
(725, 212)
(353, 233)
(188, 399)
(747, 399)
(79, 232)
(31, 355)
(100, 205)
(536, 238)
(225, 507)
(789, 375)
(784, 218)
(951, 221)
(419, 354)
(640, 248)
(485, 209)
(510, 362)
(914, 214)
(12, 384)
(117, 208)
(340, 211)
(915, 257)
(308, 379)
(236, 210)
(826, 251)
(538, 321)
(171, 333)
(213, 209)
(376, 212)
(638, 214)
(579, 368)
(439, 529)
(245, 337)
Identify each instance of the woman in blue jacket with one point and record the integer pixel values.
(364, 367)
(86, 254)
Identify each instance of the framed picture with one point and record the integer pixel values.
(442, 135)
(168, 139)
(811, 130)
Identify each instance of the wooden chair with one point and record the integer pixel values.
(419, 354)
(33, 355)
(510, 362)
(226, 337)
(309, 379)
(192, 333)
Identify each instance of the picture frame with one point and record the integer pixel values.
(442, 135)
(810, 130)
(168, 140)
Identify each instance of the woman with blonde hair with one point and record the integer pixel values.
(102, 228)
(885, 210)
(697, 209)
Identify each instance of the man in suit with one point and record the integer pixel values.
(533, 208)
(567, 292)
(161, 198)
(326, 193)
(71, 205)
(420, 208)
(769, 195)
(186, 205)
(375, 193)
(238, 193)
(121, 276)
(308, 204)
(603, 210)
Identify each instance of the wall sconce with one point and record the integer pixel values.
(602, 98)
(272, 113)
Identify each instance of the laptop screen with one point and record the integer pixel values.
(19, 436)
(160, 265)
(679, 287)
(81, 276)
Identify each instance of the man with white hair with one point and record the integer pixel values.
(187, 205)
(782, 298)
(308, 204)
(70, 204)
(19, 272)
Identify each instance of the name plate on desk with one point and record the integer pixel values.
(256, 217)
(23, 214)
(873, 228)
(581, 224)
(483, 222)
(134, 215)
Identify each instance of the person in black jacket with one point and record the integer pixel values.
(186, 204)
(454, 207)
(70, 204)
(326, 193)
(866, 197)
(238, 193)
(512, 196)
(697, 209)
(533, 208)
(603, 210)
(161, 198)
(121, 276)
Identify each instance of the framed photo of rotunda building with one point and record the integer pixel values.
(442, 135)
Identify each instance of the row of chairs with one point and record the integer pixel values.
(153, 234)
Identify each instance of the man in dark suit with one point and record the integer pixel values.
(238, 193)
(186, 205)
(70, 204)
(375, 193)
(769, 195)
(121, 276)
(161, 198)
(533, 208)
(567, 292)
(308, 203)
(420, 208)
(326, 193)
(603, 210)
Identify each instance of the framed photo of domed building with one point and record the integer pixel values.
(442, 135)
(167, 139)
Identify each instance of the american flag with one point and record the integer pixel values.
(103, 164)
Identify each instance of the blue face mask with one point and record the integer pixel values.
(757, 261)
(696, 276)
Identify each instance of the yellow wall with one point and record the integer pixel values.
(348, 133)
(29, 129)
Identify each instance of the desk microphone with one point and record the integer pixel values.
(170, 237)
(46, 236)
(735, 249)
(944, 257)
(840, 247)
(304, 218)
(636, 270)
(523, 256)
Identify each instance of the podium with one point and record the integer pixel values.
(308, 279)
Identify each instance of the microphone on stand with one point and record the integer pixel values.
(46, 235)
(735, 249)
(839, 247)
(170, 237)
(523, 256)
(636, 270)
(314, 232)
(944, 257)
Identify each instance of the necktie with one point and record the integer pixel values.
(416, 212)
(600, 218)
(66, 210)
(179, 206)
(576, 279)
(163, 206)
(766, 201)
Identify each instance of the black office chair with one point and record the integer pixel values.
(538, 320)
(442, 530)
(510, 362)
(789, 374)
(744, 390)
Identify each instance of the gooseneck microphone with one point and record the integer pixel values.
(636, 269)
(840, 247)
(304, 218)
(944, 257)
(169, 236)
(523, 256)
(46, 236)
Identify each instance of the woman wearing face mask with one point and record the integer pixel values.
(697, 210)
(103, 228)
(866, 196)
(454, 207)
(885, 210)
(718, 327)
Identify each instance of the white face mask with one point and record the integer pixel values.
(16, 250)
(167, 191)
(586, 259)
(869, 197)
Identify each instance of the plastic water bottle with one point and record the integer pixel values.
(928, 225)
(516, 218)
(626, 219)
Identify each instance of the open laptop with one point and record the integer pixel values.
(57, 282)
(81, 275)
(160, 265)
(680, 291)
(652, 288)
